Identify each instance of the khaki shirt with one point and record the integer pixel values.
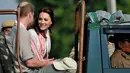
(119, 59)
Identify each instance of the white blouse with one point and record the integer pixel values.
(34, 37)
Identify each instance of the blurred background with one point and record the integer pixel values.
(7, 4)
(63, 32)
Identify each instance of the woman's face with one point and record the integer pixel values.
(44, 21)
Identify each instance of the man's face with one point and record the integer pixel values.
(31, 18)
(6, 30)
(125, 46)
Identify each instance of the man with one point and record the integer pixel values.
(5, 60)
(28, 59)
(7, 26)
(121, 57)
(30, 64)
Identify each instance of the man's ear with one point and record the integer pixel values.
(120, 44)
(29, 14)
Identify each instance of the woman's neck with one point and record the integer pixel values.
(43, 33)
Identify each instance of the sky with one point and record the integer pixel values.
(7, 4)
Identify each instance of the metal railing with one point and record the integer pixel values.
(80, 7)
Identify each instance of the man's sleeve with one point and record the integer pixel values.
(25, 46)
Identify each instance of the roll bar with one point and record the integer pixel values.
(17, 13)
(79, 57)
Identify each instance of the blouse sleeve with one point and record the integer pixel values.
(34, 37)
(48, 42)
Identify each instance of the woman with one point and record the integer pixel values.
(40, 33)
(41, 44)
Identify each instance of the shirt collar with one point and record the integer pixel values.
(21, 24)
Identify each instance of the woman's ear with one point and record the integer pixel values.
(51, 22)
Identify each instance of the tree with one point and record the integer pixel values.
(123, 5)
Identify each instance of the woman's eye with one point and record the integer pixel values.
(40, 19)
(46, 19)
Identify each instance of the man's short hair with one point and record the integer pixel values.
(25, 8)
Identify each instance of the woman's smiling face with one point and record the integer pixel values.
(44, 21)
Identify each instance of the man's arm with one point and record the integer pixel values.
(35, 63)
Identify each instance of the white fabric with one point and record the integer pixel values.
(21, 24)
(34, 36)
(65, 64)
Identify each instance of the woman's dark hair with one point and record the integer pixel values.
(46, 10)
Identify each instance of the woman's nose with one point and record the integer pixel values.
(42, 21)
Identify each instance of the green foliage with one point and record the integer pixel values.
(93, 5)
(123, 5)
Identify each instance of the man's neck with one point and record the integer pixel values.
(23, 21)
